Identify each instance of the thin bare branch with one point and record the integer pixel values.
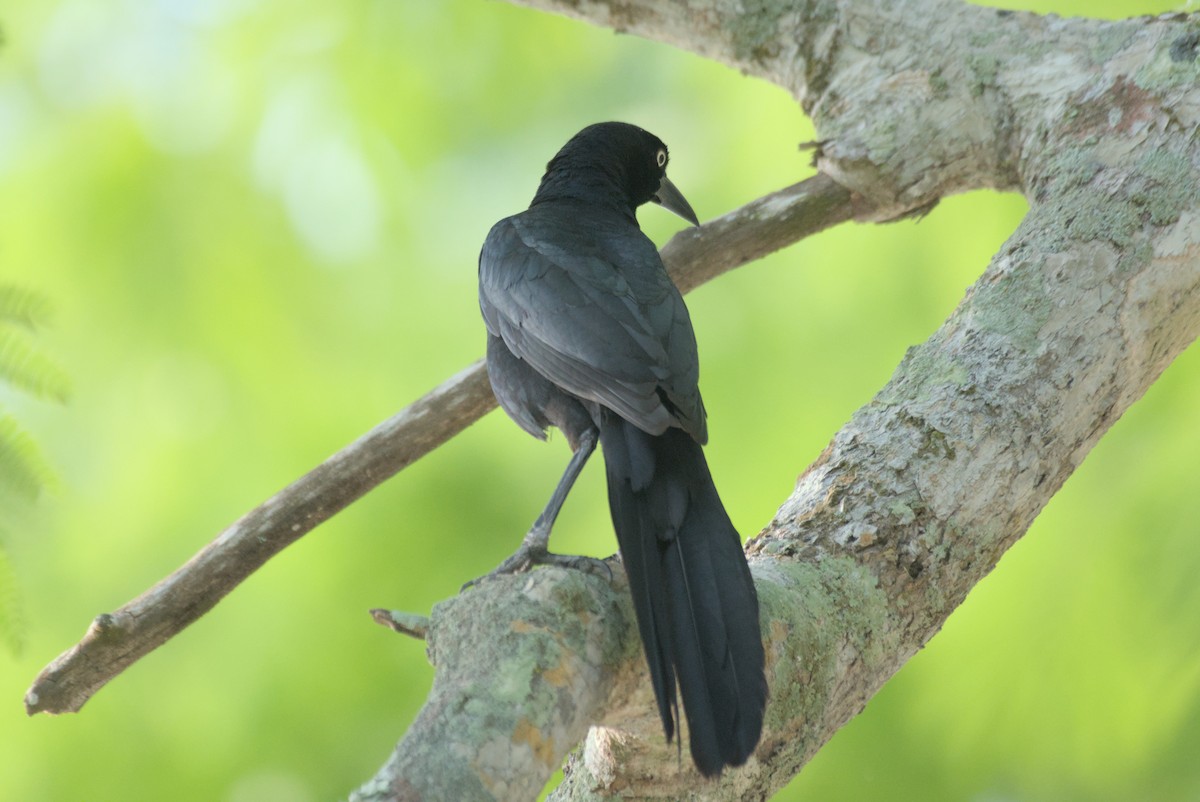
(116, 640)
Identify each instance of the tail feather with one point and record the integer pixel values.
(695, 602)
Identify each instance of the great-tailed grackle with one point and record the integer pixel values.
(587, 333)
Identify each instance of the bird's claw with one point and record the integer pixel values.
(577, 562)
(528, 556)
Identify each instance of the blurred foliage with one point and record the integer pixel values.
(12, 624)
(258, 222)
(23, 469)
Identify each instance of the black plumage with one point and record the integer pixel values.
(587, 333)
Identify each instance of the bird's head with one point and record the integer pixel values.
(630, 159)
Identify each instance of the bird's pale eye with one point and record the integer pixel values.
(662, 158)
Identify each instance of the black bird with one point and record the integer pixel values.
(586, 332)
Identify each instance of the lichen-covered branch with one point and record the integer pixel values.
(919, 495)
(918, 99)
(915, 500)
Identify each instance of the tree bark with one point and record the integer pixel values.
(919, 495)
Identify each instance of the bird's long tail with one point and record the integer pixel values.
(696, 607)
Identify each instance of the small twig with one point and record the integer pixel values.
(411, 624)
(117, 640)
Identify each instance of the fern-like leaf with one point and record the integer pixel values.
(23, 306)
(23, 469)
(25, 367)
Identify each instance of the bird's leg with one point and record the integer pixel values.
(534, 549)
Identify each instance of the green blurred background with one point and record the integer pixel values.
(258, 224)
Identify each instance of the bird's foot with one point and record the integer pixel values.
(534, 553)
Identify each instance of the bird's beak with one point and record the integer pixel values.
(672, 200)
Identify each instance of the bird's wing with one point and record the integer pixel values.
(595, 313)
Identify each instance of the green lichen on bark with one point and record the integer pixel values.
(824, 608)
(755, 32)
(1166, 187)
(1174, 65)
(1013, 304)
(1082, 202)
(923, 370)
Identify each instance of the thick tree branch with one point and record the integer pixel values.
(117, 640)
(920, 494)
